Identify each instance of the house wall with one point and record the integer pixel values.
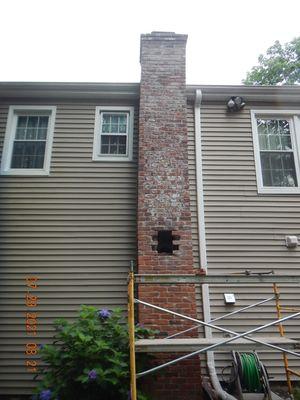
(75, 230)
(245, 230)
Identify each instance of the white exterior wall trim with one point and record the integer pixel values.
(96, 153)
(199, 180)
(295, 137)
(10, 136)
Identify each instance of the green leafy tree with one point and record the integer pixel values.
(280, 65)
(89, 359)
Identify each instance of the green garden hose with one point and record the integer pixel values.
(250, 372)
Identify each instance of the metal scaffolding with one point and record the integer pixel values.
(236, 340)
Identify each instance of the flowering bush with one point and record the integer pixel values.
(89, 358)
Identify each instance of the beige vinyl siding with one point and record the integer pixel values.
(75, 230)
(245, 230)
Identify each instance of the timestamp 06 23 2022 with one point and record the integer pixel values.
(31, 325)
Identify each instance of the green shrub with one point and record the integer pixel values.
(296, 393)
(89, 358)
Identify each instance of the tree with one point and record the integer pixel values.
(280, 65)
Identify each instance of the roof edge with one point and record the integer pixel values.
(79, 90)
(92, 90)
(279, 94)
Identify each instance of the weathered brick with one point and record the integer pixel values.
(164, 200)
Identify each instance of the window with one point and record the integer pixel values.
(276, 138)
(113, 134)
(28, 140)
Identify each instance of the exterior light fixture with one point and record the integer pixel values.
(229, 298)
(235, 103)
(291, 242)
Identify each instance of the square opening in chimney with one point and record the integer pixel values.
(165, 242)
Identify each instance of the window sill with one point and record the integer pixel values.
(283, 191)
(23, 172)
(112, 159)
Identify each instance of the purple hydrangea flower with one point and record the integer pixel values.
(104, 314)
(46, 394)
(92, 375)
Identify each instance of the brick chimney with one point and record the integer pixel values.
(164, 216)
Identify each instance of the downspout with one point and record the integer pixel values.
(202, 248)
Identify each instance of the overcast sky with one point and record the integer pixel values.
(98, 40)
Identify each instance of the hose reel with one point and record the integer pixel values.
(250, 373)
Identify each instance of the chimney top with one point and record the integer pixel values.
(158, 35)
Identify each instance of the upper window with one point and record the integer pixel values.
(113, 134)
(276, 137)
(28, 140)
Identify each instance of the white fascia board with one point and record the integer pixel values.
(272, 94)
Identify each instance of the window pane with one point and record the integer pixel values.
(22, 122)
(277, 177)
(113, 144)
(42, 134)
(104, 149)
(31, 134)
(19, 148)
(267, 179)
(123, 119)
(105, 139)
(278, 169)
(114, 123)
(286, 143)
(122, 140)
(290, 178)
(122, 128)
(283, 127)
(114, 128)
(265, 161)
(113, 139)
(274, 134)
(106, 119)
(288, 161)
(122, 149)
(28, 154)
(114, 119)
(43, 122)
(32, 122)
(263, 142)
(105, 128)
(274, 142)
(261, 127)
(32, 128)
(20, 134)
(113, 149)
(275, 159)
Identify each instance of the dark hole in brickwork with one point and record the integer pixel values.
(165, 242)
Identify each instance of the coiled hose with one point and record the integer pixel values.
(250, 373)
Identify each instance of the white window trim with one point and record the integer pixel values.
(13, 112)
(96, 148)
(294, 116)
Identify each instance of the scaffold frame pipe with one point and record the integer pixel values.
(224, 316)
(133, 390)
(237, 336)
(272, 346)
(213, 279)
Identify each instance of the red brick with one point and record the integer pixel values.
(164, 201)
